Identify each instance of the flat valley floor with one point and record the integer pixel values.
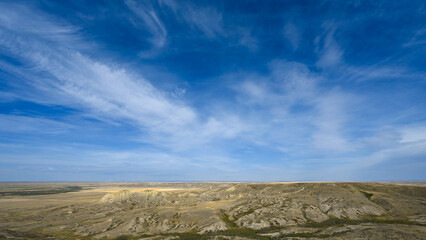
(103, 210)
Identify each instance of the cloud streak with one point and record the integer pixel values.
(204, 19)
(149, 20)
(113, 92)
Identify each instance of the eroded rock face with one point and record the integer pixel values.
(217, 226)
(146, 198)
(347, 203)
(315, 214)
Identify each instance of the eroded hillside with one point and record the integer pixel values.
(219, 211)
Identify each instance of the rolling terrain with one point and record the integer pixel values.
(212, 210)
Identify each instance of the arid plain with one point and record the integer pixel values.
(103, 210)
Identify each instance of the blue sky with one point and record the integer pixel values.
(212, 90)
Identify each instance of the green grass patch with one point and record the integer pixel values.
(235, 230)
(338, 221)
(226, 220)
(242, 214)
(191, 236)
(125, 237)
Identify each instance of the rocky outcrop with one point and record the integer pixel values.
(146, 198)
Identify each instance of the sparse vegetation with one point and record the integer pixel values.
(125, 237)
(367, 194)
(42, 191)
(242, 214)
(343, 221)
(226, 220)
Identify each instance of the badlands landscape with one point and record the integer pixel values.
(102, 210)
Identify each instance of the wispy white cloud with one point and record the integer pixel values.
(145, 164)
(150, 21)
(43, 26)
(246, 39)
(331, 121)
(113, 93)
(204, 19)
(292, 34)
(417, 39)
(411, 134)
(106, 89)
(30, 125)
(330, 53)
(331, 57)
(383, 138)
(300, 113)
(208, 22)
(398, 155)
(295, 79)
(377, 72)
